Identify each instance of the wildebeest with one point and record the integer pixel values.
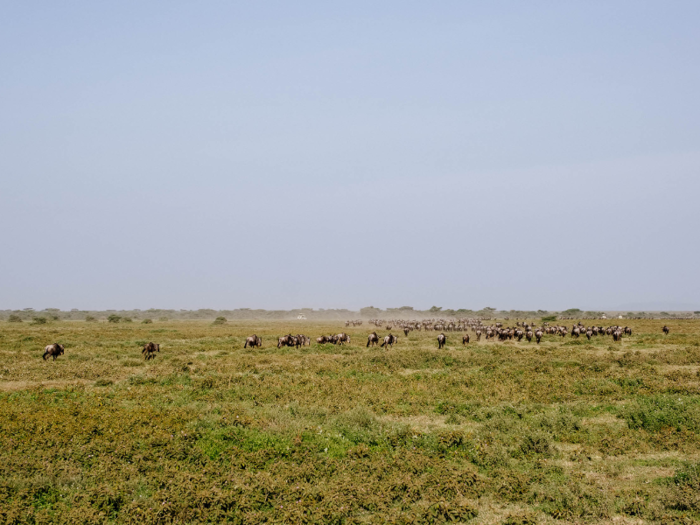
(287, 340)
(666, 330)
(149, 350)
(389, 340)
(343, 338)
(53, 350)
(628, 330)
(465, 339)
(253, 341)
(406, 330)
(538, 336)
(441, 340)
(478, 335)
(372, 339)
(617, 335)
(528, 336)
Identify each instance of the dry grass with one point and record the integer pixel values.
(573, 431)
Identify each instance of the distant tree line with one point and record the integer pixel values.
(49, 315)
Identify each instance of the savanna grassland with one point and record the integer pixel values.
(494, 432)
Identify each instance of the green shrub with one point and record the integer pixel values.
(114, 318)
(39, 320)
(536, 444)
(664, 411)
(146, 321)
(688, 476)
(90, 319)
(14, 318)
(219, 320)
(359, 426)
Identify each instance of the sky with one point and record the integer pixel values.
(279, 155)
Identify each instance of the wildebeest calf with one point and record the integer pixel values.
(149, 350)
(441, 340)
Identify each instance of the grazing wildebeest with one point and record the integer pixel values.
(253, 341)
(538, 336)
(406, 330)
(53, 350)
(478, 335)
(149, 350)
(373, 339)
(666, 330)
(589, 334)
(465, 339)
(343, 338)
(441, 340)
(617, 335)
(628, 330)
(285, 340)
(322, 340)
(528, 336)
(389, 340)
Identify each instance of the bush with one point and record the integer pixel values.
(127, 320)
(14, 318)
(163, 319)
(39, 320)
(219, 320)
(146, 321)
(689, 476)
(664, 411)
(549, 319)
(359, 426)
(90, 319)
(114, 318)
(536, 444)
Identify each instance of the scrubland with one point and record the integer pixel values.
(492, 432)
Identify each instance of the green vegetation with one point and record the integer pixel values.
(492, 432)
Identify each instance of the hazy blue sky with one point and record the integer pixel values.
(319, 154)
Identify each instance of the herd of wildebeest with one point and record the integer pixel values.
(494, 331)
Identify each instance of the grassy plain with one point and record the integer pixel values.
(568, 431)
